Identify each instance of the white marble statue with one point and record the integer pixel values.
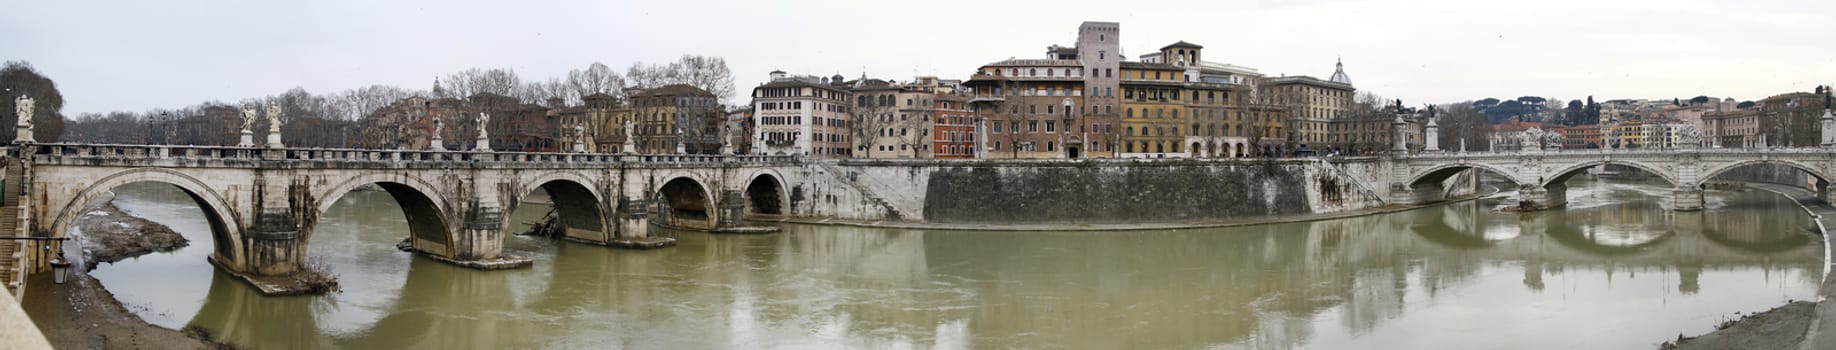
(1688, 136)
(248, 118)
(1531, 139)
(274, 123)
(1553, 141)
(483, 119)
(22, 108)
(439, 127)
(23, 129)
(579, 132)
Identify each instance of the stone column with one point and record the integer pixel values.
(1825, 193)
(1829, 129)
(1431, 135)
(1399, 136)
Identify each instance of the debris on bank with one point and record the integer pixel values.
(1780, 328)
(111, 235)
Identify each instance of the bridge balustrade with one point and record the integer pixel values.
(229, 153)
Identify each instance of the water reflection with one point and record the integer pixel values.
(1625, 273)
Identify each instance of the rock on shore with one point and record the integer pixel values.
(110, 235)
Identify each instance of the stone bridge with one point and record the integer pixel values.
(263, 203)
(1541, 175)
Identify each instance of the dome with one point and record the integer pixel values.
(1338, 74)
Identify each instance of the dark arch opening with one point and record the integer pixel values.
(425, 222)
(686, 204)
(575, 208)
(764, 196)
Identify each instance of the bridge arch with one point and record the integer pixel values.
(766, 194)
(1822, 178)
(1561, 176)
(685, 202)
(422, 205)
(578, 204)
(1438, 173)
(225, 222)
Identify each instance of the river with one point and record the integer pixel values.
(1614, 270)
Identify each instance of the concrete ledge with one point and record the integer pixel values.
(268, 286)
(505, 262)
(641, 243)
(746, 230)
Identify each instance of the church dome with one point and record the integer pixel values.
(1338, 74)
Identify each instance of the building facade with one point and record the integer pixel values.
(802, 115)
(676, 119)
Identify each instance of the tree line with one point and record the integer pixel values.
(329, 119)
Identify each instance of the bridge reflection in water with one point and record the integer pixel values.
(1614, 275)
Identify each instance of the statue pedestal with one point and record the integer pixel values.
(248, 139)
(24, 135)
(274, 140)
(484, 145)
(437, 144)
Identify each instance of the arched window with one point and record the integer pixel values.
(1130, 130)
(1131, 112)
(1033, 72)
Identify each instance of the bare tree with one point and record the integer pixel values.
(706, 72)
(500, 81)
(595, 79)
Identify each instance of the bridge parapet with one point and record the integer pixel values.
(225, 156)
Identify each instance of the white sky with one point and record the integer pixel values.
(138, 55)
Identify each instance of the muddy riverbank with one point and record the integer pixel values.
(110, 235)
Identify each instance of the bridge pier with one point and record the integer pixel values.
(479, 242)
(1686, 199)
(1531, 197)
(633, 225)
(1411, 194)
(731, 209)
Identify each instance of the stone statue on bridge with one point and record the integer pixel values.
(23, 106)
(1530, 140)
(248, 121)
(274, 126)
(484, 138)
(630, 139)
(1552, 141)
(1688, 136)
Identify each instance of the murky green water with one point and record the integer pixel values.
(1614, 270)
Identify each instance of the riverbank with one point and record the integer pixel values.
(81, 314)
(1798, 324)
(1488, 192)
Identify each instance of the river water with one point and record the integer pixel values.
(1614, 270)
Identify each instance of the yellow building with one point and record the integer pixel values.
(1154, 118)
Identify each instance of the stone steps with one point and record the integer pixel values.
(842, 176)
(12, 258)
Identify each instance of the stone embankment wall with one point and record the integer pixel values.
(1091, 191)
(1768, 173)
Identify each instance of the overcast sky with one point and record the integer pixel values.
(138, 55)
